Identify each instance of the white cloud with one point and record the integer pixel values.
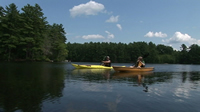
(92, 36)
(113, 19)
(156, 34)
(149, 34)
(110, 35)
(119, 26)
(178, 37)
(90, 8)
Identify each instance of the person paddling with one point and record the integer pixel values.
(140, 63)
(107, 61)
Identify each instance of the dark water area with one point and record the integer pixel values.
(59, 87)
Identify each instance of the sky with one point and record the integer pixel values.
(167, 22)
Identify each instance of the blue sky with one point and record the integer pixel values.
(167, 22)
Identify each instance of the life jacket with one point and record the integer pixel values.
(107, 64)
(139, 64)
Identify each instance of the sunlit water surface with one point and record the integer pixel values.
(59, 87)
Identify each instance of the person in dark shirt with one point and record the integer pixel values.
(107, 61)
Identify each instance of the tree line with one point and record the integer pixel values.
(26, 35)
(122, 52)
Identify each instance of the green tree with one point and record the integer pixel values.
(162, 49)
(2, 13)
(153, 53)
(183, 57)
(10, 28)
(165, 54)
(28, 35)
(56, 47)
(194, 54)
(34, 26)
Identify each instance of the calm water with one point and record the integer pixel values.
(58, 87)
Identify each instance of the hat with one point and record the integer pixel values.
(140, 57)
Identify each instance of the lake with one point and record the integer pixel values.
(59, 87)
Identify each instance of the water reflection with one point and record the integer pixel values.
(184, 77)
(25, 87)
(139, 75)
(92, 79)
(52, 87)
(194, 76)
(92, 74)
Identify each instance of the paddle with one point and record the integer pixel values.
(104, 58)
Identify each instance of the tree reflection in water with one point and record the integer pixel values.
(136, 76)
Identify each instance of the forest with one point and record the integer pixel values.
(122, 52)
(26, 35)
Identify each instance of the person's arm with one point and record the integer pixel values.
(106, 61)
(143, 63)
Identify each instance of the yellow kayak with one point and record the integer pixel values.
(91, 66)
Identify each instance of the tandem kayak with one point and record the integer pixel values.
(128, 69)
(91, 66)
